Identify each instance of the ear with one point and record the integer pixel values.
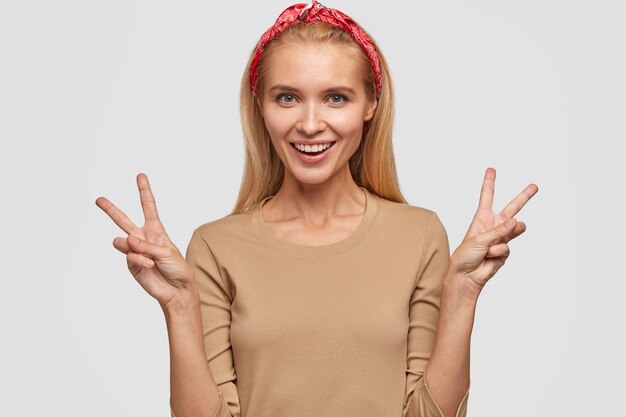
(371, 109)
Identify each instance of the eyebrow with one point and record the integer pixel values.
(328, 90)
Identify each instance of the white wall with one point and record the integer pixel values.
(93, 92)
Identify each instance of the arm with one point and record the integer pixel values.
(431, 330)
(481, 254)
(206, 333)
(159, 267)
(447, 374)
(193, 389)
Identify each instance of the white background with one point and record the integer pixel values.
(93, 92)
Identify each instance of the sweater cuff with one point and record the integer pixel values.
(222, 408)
(422, 403)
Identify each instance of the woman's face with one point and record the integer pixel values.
(314, 94)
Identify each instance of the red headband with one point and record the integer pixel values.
(309, 13)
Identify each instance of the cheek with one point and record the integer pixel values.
(348, 123)
(278, 124)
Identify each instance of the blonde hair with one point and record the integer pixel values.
(372, 166)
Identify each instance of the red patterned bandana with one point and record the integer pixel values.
(310, 13)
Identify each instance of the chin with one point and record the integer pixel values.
(311, 179)
(312, 176)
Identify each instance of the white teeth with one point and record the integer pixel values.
(314, 148)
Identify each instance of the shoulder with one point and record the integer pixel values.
(229, 227)
(221, 238)
(407, 215)
(412, 229)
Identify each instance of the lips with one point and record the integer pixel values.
(313, 157)
(313, 153)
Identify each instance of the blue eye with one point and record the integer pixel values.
(281, 97)
(290, 98)
(340, 96)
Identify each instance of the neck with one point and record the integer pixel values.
(339, 195)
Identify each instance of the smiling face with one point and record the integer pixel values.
(314, 94)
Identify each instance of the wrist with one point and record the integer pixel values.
(183, 303)
(460, 289)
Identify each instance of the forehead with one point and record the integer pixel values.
(313, 67)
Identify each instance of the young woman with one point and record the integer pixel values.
(324, 293)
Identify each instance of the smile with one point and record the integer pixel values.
(312, 153)
(312, 149)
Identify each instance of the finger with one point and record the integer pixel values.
(149, 249)
(501, 231)
(497, 264)
(118, 217)
(121, 245)
(486, 192)
(518, 202)
(148, 205)
(519, 229)
(498, 250)
(137, 261)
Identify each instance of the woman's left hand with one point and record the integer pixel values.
(485, 246)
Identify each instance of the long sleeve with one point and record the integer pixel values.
(423, 321)
(215, 303)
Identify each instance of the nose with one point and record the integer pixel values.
(311, 120)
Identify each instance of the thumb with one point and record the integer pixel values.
(149, 249)
(490, 236)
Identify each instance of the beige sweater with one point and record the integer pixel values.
(339, 330)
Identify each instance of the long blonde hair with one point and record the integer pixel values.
(372, 165)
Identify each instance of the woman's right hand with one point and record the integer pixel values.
(152, 258)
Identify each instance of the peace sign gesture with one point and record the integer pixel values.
(484, 248)
(152, 258)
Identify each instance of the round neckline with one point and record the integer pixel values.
(371, 208)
